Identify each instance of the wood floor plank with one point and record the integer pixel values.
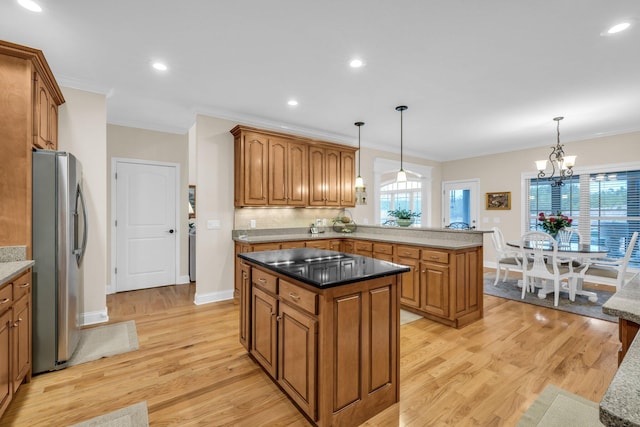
(192, 371)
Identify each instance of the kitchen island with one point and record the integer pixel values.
(325, 327)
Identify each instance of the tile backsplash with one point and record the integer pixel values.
(283, 217)
(13, 253)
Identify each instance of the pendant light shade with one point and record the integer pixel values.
(361, 190)
(402, 176)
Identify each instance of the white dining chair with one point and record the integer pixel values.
(540, 260)
(611, 271)
(567, 235)
(506, 258)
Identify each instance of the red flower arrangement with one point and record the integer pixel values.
(554, 223)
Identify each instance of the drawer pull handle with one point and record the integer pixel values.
(434, 257)
(261, 280)
(294, 296)
(4, 301)
(15, 325)
(26, 285)
(279, 318)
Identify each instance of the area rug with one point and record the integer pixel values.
(131, 416)
(556, 407)
(408, 317)
(105, 341)
(581, 305)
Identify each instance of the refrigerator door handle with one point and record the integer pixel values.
(80, 252)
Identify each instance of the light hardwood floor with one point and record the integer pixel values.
(191, 369)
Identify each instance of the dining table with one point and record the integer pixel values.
(574, 253)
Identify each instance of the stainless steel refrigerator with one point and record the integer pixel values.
(59, 241)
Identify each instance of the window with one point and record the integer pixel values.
(605, 207)
(400, 195)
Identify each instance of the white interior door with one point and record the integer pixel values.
(460, 202)
(145, 225)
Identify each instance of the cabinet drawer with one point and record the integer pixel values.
(21, 286)
(408, 252)
(318, 244)
(266, 247)
(264, 280)
(299, 297)
(364, 246)
(6, 296)
(435, 256)
(383, 248)
(291, 245)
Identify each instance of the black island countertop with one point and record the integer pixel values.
(322, 268)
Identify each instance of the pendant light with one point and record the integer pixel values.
(361, 190)
(560, 163)
(402, 176)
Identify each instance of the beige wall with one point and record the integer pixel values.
(214, 180)
(82, 132)
(503, 172)
(132, 143)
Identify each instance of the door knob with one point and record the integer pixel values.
(171, 231)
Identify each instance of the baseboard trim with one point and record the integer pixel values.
(212, 297)
(94, 317)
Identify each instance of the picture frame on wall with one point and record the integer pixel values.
(499, 200)
(192, 201)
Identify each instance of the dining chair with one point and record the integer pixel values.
(506, 258)
(611, 271)
(458, 226)
(567, 235)
(540, 260)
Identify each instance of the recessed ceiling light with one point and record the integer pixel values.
(619, 27)
(159, 66)
(292, 102)
(356, 63)
(30, 5)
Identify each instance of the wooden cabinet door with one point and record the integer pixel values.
(297, 355)
(332, 178)
(245, 305)
(256, 159)
(347, 246)
(277, 172)
(6, 387)
(264, 309)
(40, 114)
(316, 177)
(297, 174)
(239, 248)
(410, 289)
(335, 245)
(347, 179)
(21, 362)
(435, 288)
(53, 125)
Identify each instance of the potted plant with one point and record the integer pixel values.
(404, 217)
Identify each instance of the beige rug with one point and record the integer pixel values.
(556, 407)
(408, 317)
(105, 341)
(131, 416)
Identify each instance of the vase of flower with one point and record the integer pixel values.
(404, 217)
(552, 224)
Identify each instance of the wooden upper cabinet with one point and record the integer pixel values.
(274, 169)
(29, 100)
(348, 182)
(288, 173)
(324, 173)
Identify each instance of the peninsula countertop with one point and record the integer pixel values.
(321, 268)
(620, 405)
(432, 238)
(13, 261)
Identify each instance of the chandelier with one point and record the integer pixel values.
(361, 190)
(560, 164)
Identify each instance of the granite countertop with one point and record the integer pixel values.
(323, 269)
(410, 240)
(13, 268)
(13, 261)
(620, 405)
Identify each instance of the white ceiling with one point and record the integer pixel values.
(479, 77)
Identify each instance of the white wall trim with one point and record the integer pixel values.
(94, 317)
(181, 280)
(114, 163)
(213, 297)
